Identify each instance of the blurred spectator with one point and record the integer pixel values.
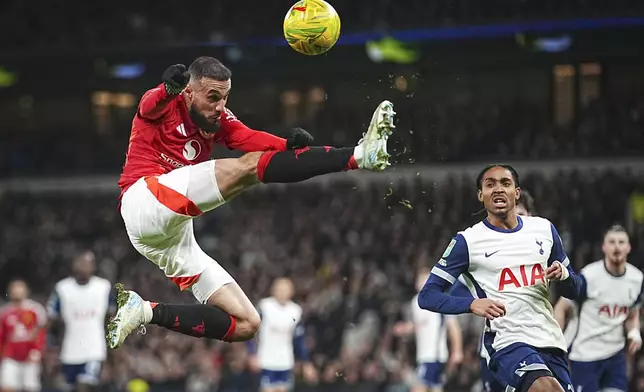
(351, 248)
(426, 133)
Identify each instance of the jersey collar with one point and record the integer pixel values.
(499, 230)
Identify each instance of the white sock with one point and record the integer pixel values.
(358, 153)
(147, 312)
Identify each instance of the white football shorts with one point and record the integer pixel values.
(19, 376)
(158, 213)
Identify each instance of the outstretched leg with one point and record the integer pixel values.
(227, 314)
(236, 175)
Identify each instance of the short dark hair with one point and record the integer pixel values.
(209, 67)
(616, 229)
(527, 201)
(479, 178)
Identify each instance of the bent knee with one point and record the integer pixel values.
(248, 164)
(247, 326)
(545, 384)
(234, 175)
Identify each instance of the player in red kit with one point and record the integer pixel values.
(22, 340)
(168, 180)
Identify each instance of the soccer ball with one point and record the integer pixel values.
(311, 27)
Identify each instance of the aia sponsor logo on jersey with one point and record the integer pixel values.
(191, 150)
(613, 311)
(521, 277)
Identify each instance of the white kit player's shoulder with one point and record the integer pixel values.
(593, 268)
(634, 273)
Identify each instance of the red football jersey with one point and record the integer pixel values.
(164, 138)
(22, 333)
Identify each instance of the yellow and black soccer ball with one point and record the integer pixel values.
(312, 27)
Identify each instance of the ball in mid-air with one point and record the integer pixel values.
(312, 27)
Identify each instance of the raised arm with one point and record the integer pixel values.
(154, 103)
(235, 135)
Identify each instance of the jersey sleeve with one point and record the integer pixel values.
(155, 103)
(638, 301)
(557, 253)
(299, 344)
(575, 286)
(237, 136)
(53, 305)
(454, 261)
(459, 289)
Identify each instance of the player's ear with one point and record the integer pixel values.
(517, 194)
(479, 194)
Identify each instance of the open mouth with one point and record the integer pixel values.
(499, 201)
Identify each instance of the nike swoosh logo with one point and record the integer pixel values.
(490, 254)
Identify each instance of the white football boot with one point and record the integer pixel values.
(129, 317)
(371, 152)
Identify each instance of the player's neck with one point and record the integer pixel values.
(615, 268)
(83, 280)
(508, 222)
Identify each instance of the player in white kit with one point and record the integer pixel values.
(608, 305)
(525, 207)
(508, 262)
(280, 337)
(432, 330)
(82, 304)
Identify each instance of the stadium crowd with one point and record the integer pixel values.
(45, 25)
(427, 133)
(351, 248)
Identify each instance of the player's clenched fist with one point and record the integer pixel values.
(298, 138)
(175, 79)
(557, 272)
(487, 308)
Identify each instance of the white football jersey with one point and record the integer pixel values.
(280, 324)
(431, 334)
(509, 266)
(598, 333)
(83, 309)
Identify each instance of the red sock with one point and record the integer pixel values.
(231, 331)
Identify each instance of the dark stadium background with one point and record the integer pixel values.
(554, 85)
